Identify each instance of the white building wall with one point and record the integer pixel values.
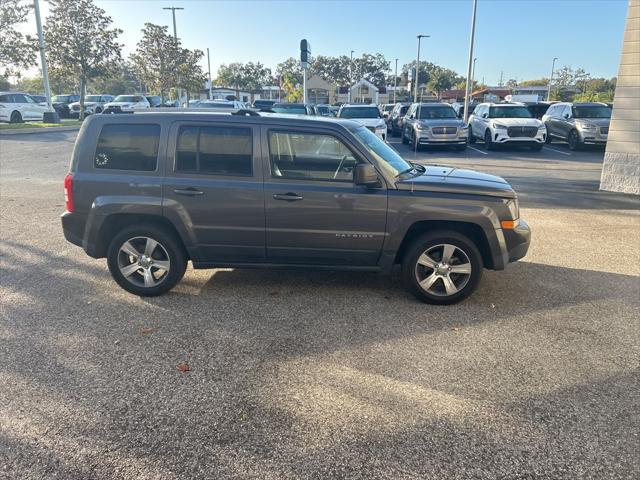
(621, 168)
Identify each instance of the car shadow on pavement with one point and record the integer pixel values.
(301, 374)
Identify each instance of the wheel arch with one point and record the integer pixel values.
(472, 230)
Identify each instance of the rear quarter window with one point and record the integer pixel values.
(128, 147)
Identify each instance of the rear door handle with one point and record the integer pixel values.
(189, 192)
(289, 197)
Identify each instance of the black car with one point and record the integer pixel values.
(262, 104)
(538, 110)
(155, 101)
(61, 104)
(151, 191)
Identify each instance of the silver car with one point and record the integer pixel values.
(433, 124)
(92, 104)
(578, 123)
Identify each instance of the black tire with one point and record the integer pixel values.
(98, 110)
(488, 143)
(472, 137)
(169, 246)
(411, 271)
(549, 138)
(574, 140)
(537, 147)
(405, 140)
(16, 117)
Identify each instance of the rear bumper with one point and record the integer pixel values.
(73, 226)
(518, 241)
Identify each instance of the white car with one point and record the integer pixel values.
(367, 115)
(127, 103)
(506, 123)
(92, 104)
(16, 107)
(220, 104)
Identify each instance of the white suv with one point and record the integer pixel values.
(501, 123)
(127, 103)
(16, 107)
(367, 115)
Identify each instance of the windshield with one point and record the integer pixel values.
(388, 108)
(592, 111)
(426, 113)
(388, 159)
(293, 109)
(93, 98)
(509, 112)
(60, 98)
(359, 112)
(127, 98)
(323, 108)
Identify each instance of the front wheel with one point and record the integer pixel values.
(488, 143)
(472, 137)
(574, 140)
(442, 267)
(405, 140)
(416, 142)
(146, 260)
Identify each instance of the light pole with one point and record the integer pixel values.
(209, 71)
(473, 73)
(553, 66)
(175, 38)
(469, 66)
(395, 82)
(43, 59)
(350, 77)
(415, 89)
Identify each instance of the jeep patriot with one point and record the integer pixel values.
(151, 191)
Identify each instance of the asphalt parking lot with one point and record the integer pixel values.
(324, 375)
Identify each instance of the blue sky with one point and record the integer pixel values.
(519, 37)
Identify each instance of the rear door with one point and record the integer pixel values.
(314, 212)
(214, 186)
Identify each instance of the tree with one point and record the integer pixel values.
(541, 82)
(231, 75)
(293, 92)
(156, 58)
(16, 49)
(292, 67)
(439, 82)
(511, 83)
(373, 68)
(334, 70)
(83, 44)
(121, 82)
(190, 75)
(597, 90)
(255, 76)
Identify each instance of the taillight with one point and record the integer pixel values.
(68, 192)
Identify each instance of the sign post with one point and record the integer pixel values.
(305, 56)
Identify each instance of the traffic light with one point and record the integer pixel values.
(305, 53)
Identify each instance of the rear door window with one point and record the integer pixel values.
(215, 150)
(128, 147)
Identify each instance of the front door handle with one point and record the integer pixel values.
(289, 197)
(189, 192)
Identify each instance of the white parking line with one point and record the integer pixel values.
(558, 151)
(479, 151)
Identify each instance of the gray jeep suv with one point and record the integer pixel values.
(151, 191)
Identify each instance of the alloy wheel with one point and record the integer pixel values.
(143, 261)
(443, 270)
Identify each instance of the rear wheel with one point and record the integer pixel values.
(488, 143)
(146, 260)
(442, 267)
(574, 140)
(16, 117)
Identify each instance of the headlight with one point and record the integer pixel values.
(464, 127)
(421, 127)
(499, 126)
(542, 127)
(514, 209)
(586, 126)
(381, 127)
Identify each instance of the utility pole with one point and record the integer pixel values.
(473, 73)
(395, 82)
(469, 67)
(553, 66)
(209, 70)
(501, 77)
(43, 59)
(350, 77)
(415, 89)
(175, 38)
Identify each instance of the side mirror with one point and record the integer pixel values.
(485, 115)
(567, 116)
(365, 174)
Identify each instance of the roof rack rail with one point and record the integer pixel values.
(246, 112)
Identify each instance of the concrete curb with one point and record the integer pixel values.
(19, 131)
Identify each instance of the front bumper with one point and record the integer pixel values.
(117, 109)
(501, 136)
(518, 241)
(591, 137)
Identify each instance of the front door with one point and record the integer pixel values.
(214, 185)
(314, 212)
